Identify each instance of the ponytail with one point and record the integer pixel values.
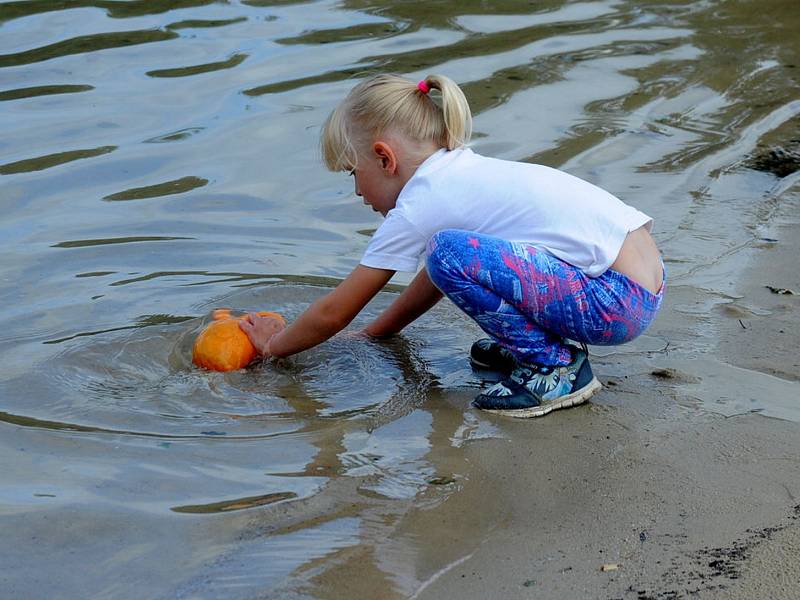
(389, 102)
(456, 114)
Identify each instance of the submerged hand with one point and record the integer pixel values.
(260, 330)
(354, 333)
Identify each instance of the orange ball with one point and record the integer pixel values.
(223, 346)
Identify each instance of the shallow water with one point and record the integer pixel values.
(158, 159)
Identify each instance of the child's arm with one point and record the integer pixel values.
(420, 296)
(322, 320)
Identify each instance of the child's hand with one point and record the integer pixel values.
(260, 330)
(355, 334)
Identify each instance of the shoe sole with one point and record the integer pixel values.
(573, 399)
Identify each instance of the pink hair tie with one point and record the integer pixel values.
(423, 87)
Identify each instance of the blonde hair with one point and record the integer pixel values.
(392, 103)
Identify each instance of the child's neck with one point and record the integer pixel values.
(413, 155)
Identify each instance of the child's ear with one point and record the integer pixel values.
(386, 157)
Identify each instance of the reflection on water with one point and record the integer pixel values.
(85, 43)
(52, 160)
(43, 90)
(238, 504)
(233, 61)
(158, 159)
(178, 186)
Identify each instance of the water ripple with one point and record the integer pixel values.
(43, 90)
(118, 9)
(230, 63)
(168, 188)
(52, 160)
(85, 43)
(205, 23)
(121, 240)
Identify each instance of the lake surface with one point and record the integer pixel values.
(159, 159)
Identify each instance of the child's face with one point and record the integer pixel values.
(368, 187)
(376, 184)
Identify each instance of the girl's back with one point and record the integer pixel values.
(522, 202)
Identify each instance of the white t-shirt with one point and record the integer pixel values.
(520, 202)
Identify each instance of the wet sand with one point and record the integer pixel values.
(663, 486)
(680, 502)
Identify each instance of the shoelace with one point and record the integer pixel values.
(521, 374)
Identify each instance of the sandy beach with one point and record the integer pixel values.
(674, 502)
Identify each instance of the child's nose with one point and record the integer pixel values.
(358, 193)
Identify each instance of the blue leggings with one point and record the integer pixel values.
(532, 302)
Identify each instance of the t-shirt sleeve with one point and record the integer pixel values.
(397, 245)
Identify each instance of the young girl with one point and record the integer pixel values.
(535, 256)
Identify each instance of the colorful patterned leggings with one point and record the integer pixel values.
(531, 302)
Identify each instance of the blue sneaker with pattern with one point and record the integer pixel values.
(534, 391)
(487, 357)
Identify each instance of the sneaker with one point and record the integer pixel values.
(486, 354)
(534, 391)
